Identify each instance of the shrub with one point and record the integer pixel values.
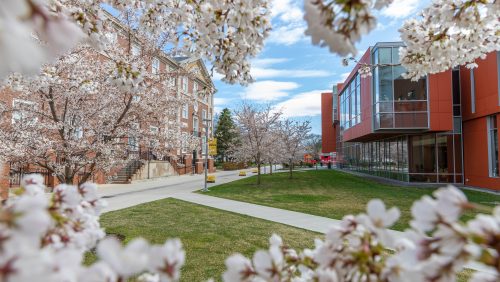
(233, 166)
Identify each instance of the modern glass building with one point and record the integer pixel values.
(405, 130)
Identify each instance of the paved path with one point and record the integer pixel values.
(182, 188)
(120, 196)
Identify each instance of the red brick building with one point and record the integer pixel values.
(193, 77)
(440, 129)
(328, 144)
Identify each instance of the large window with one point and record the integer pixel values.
(493, 146)
(184, 84)
(350, 105)
(398, 102)
(204, 116)
(435, 158)
(136, 50)
(472, 91)
(23, 111)
(185, 111)
(195, 126)
(155, 66)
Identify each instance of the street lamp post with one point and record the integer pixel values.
(205, 188)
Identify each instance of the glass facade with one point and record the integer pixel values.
(429, 157)
(493, 146)
(350, 103)
(398, 103)
(400, 106)
(386, 158)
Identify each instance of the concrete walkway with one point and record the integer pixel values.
(182, 187)
(120, 196)
(296, 219)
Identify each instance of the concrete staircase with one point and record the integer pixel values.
(124, 175)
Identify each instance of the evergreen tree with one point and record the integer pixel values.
(226, 134)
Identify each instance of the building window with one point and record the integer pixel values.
(493, 146)
(472, 91)
(204, 116)
(185, 111)
(23, 111)
(154, 131)
(136, 98)
(398, 102)
(155, 66)
(184, 84)
(351, 103)
(195, 87)
(111, 37)
(132, 143)
(136, 50)
(195, 126)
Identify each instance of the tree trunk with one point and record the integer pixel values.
(67, 175)
(271, 167)
(290, 167)
(258, 173)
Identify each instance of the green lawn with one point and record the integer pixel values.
(330, 193)
(209, 235)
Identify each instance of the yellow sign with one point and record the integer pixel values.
(211, 178)
(212, 146)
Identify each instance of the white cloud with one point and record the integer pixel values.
(221, 101)
(265, 62)
(287, 34)
(286, 10)
(270, 73)
(303, 104)
(268, 90)
(217, 76)
(288, 22)
(401, 9)
(217, 110)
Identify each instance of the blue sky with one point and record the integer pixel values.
(291, 73)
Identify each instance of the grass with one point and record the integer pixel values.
(332, 194)
(209, 235)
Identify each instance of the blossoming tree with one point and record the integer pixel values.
(446, 34)
(73, 121)
(227, 33)
(256, 126)
(293, 136)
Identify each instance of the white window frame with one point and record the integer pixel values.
(155, 66)
(185, 84)
(154, 130)
(133, 142)
(204, 116)
(185, 111)
(111, 37)
(171, 81)
(136, 98)
(135, 50)
(196, 124)
(195, 87)
(19, 116)
(79, 132)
